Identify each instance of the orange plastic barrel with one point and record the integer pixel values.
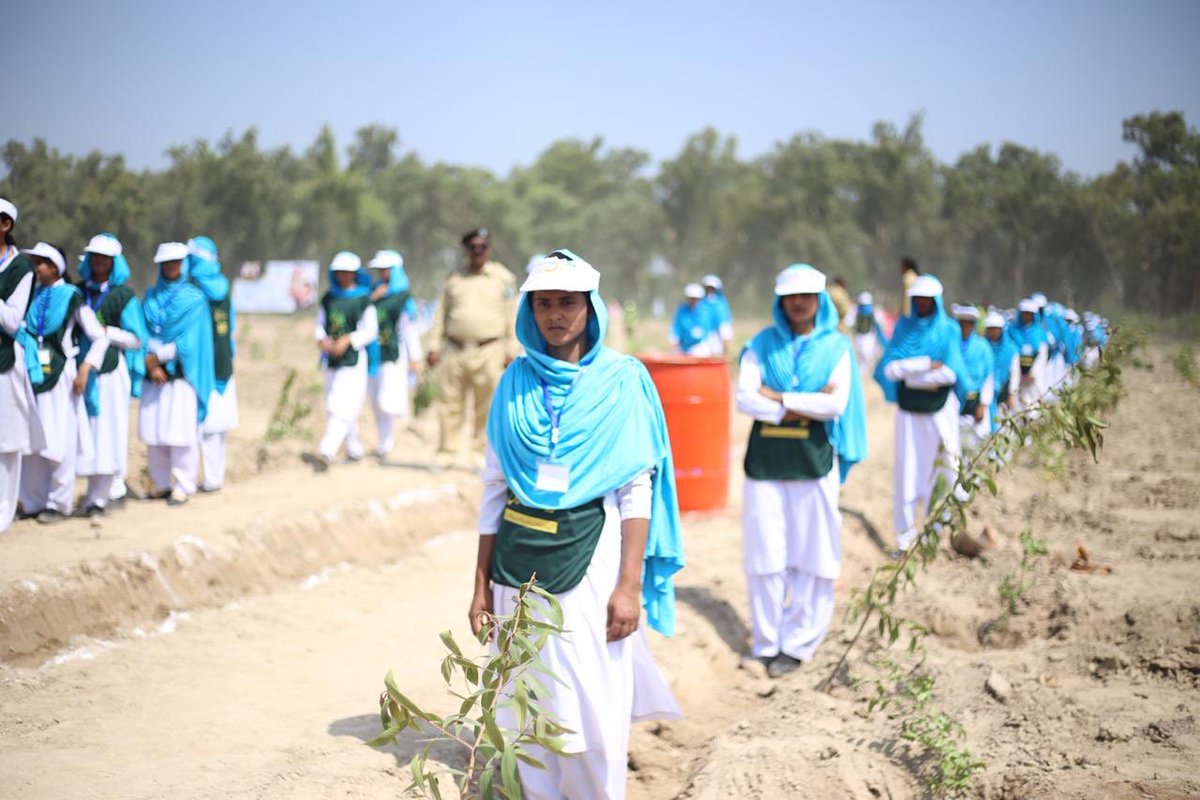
(695, 395)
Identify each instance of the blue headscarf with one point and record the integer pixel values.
(1003, 353)
(177, 311)
(981, 365)
(611, 429)
(1027, 338)
(204, 270)
(777, 347)
(693, 325)
(131, 320)
(936, 336)
(719, 303)
(48, 311)
(397, 282)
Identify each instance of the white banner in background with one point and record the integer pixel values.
(279, 287)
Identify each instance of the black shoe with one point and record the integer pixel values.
(49, 515)
(23, 514)
(209, 489)
(781, 665)
(92, 510)
(117, 502)
(318, 462)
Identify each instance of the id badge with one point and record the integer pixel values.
(44, 357)
(553, 476)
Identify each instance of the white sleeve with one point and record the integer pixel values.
(163, 351)
(367, 329)
(407, 334)
(495, 494)
(320, 332)
(126, 340)
(86, 318)
(1014, 378)
(725, 331)
(902, 368)
(821, 406)
(932, 378)
(12, 310)
(749, 401)
(987, 393)
(636, 497)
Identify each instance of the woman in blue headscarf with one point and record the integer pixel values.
(695, 327)
(179, 368)
(1007, 371)
(714, 296)
(579, 488)
(57, 310)
(922, 371)
(866, 332)
(798, 381)
(204, 270)
(111, 387)
(1028, 334)
(977, 413)
(395, 355)
(346, 324)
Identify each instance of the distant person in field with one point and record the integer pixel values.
(111, 387)
(204, 270)
(579, 488)
(695, 325)
(714, 296)
(865, 331)
(20, 429)
(840, 295)
(909, 272)
(1006, 366)
(55, 316)
(976, 414)
(798, 381)
(394, 358)
(922, 371)
(470, 344)
(179, 369)
(1033, 352)
(347, 323)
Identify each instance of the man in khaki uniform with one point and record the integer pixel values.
(471, 342)
(840, 296)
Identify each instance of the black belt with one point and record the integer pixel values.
(461, 343)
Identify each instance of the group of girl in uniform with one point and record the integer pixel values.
(73, 356)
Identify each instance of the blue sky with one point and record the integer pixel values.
(493, 84)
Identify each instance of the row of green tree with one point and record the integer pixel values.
(997, 224)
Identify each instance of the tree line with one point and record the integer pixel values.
(998, 223)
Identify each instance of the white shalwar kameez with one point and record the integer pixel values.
(791, 530)
(389, 389)
(221, 418)
(921, 440)
(48, 474)
(346, 388)
(1034, 384)
(167, 425)
(109, 464)
(605, 685)
(20, 426)
(972, 433)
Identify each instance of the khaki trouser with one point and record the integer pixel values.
(468, 371)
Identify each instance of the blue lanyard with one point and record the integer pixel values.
(100, 299)
(43, 303)
(555, 416)
(799, 353)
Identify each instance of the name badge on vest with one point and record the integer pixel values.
(44, 358)
(553, 476)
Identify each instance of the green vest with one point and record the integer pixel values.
(1002, 397)
(1027, 362)
(864, 323)
(18, 269)
(557, 545)
(789, 451)
(54, 343)
(222, 310)
(341, 317)
(389, 310)
(972, 403)
(109, 313)
(922, 401)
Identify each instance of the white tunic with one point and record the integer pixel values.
(167, 413)
(390, 386)
(346, 387)
(20, 428)
(222, 413)
(110, 427)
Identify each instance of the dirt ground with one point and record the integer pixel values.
(235, 647)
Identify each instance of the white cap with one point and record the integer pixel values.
(1028, 304)
(345, 261)
(799, 279)
(8, 208)
(994, 319)
(693, 291)
(43, 250)
(865, 299)
(562, 271)
(1040, 299)
(102, 244)
(962, 312)
(925, 286)
(1071, 315)
(713, 281)
(386, 259)
(170, 251)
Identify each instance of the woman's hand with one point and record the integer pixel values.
(979, 412)
(770, 394)
(480, 611)
(81, 378)
(624, 612)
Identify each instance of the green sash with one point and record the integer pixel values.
(922, 401)
(54, 343)
(971, 404)
(1027, 363)
(109, 313)
(864, 323)
(18, 269)
(222, 341)
(341, 317)
(557, 545)
(789, 451)
(389, 310)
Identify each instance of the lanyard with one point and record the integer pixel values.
(90, 292)
(799, 353)
(43, 303)
(555, 416)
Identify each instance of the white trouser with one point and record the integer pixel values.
(338, 430)
(386, 423)
(173, 467)
(10, 487)
(100, 490)
(790, 613)
(47, 484)
(578, 776)
(212, 459)
(920, 440)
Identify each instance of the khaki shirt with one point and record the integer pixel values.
(476, 307)
(841, 301)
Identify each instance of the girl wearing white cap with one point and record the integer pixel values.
(695, 325)
(346, 323)
(866, 332)
(579, 488)
(976, 415)
(797, 379)
(714, 296)
(20, 428)
(48, 474)
(397, 352)
(1033, 353)
(179, 365)
(922, 371)
(1007, 370)
(119, 378)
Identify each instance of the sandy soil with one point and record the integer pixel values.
(235, 647)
